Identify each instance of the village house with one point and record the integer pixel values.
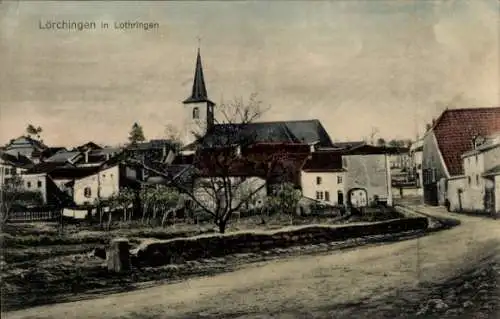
(476, 190)
(323, 178)
(444, 144)
(368, 174)
(11, 165)
(416, 155)
(50, 178)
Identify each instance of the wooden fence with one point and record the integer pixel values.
(32, 216)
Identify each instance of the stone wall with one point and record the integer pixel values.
(207, 246)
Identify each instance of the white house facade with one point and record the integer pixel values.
(102, 185)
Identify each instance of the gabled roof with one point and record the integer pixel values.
(455, 130)
(47, 167)
(492, 171)
(302, 132)
(348, 145)
(38, 145)
(324, 162)
(88, 146)
(199, 90)
(62, 157)
(360, 148)
(20, 161)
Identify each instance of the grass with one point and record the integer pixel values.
(39, 262)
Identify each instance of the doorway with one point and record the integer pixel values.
(340, 198)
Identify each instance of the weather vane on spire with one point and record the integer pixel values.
(199, 42)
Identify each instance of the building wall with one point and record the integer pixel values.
(36, 183)
(491, 158)
(433, 169)
(191, 124)
(417, 164)
(108, 179)
(497, 193)
(456, 185)
(331, 182)
(7, 171)
(471, 198)
(205, 195)
(370, 172)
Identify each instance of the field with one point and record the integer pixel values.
(40, 264)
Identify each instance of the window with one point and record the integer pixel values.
(28, 184)
(87, 192)
(339, 179)
(327, 196)
(344, 161)
(39, 184)
(196, 113)
(318, 180)
(468, 179)
(477, 180)
(476, 159)
(433, 172)
(319, 195)
(103, 175)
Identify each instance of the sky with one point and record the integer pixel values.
(357, 66)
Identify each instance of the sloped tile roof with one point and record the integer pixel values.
(62, 157)
(305, 131)
(20, 161)
(456, 128)
(199, 90)
(324, 162)
(492, 171)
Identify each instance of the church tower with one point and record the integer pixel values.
(198, 109)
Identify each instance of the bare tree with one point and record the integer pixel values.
(230, 169)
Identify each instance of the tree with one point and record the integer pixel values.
(157, 199)
(120, 200)
(13, 195)
(34, 131)
(136, 134)
(285, 198)
(381, 141)
(216, 190)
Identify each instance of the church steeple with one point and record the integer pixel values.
(198, 109)
(199, 91)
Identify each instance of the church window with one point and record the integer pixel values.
(196, 113)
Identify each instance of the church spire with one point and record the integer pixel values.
(199, 91)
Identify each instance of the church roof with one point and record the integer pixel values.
(304, 131)
(199, 91)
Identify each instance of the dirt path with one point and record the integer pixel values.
(305, 287)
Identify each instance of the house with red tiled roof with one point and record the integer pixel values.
(478, 189)
(451, 136)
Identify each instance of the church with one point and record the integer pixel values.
(298, 151)
(201, 128)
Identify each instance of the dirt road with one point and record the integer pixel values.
(306, 287)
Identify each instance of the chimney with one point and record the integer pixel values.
(87, 155)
